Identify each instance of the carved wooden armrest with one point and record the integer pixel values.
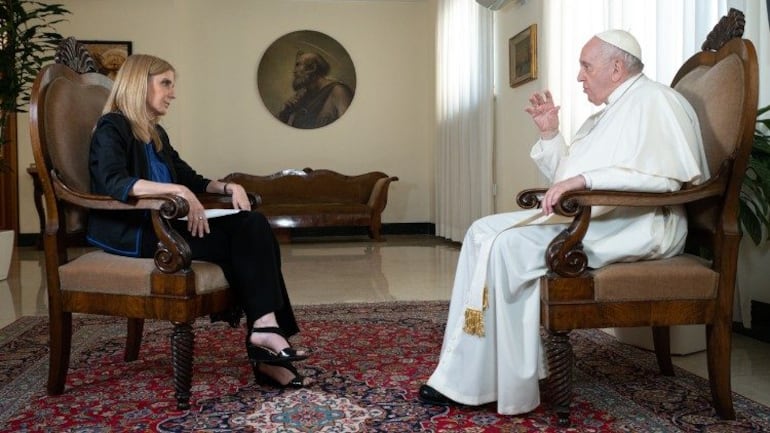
(530, 198)
(565, 255)
(378, 199)
(173, 254)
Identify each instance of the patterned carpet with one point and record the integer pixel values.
(368, 363)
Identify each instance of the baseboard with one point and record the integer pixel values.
(387, 229)
(31, 239)
(760, 322)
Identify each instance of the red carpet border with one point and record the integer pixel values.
(368, 362)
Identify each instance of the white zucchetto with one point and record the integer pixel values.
(623, 40)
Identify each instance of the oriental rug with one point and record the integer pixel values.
(368, 363)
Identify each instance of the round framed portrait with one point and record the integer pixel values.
(306, 79)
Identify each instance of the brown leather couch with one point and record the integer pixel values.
(319, 198)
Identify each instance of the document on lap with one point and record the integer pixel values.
(542, 219)
(214, 213)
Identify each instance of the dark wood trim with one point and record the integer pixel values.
(31, 239)
(387, 229)
(760, 322)
(9, 179)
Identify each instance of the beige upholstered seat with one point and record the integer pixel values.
(128, 276)
(681, 277)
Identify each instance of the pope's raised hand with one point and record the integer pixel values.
(544, 113)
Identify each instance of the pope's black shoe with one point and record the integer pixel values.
(429, 395)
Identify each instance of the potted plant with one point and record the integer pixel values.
(754, 210)
(27, 40)
(752, 288)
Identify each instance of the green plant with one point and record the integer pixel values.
(754, 209)
(27, 40)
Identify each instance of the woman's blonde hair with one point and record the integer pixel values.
(129, 95)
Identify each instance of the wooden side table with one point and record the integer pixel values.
(38, 198)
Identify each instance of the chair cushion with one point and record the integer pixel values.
(101, 272)
(719, 107)
(71, 111)
(681, 277)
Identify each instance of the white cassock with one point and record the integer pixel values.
(647, 138)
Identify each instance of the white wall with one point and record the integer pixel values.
(218, 121)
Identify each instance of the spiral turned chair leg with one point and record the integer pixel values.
(559, 382)
(182, 345)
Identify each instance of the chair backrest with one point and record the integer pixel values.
(64, 108)
(75, 55)
(722, 87)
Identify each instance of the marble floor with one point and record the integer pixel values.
(339, 269)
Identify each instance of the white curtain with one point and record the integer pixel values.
(465, 116)
(669, 32)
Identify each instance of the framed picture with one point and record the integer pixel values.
(522, 52)
(108, 55)
(306, 79)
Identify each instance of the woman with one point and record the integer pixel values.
(131, 155)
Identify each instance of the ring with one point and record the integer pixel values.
(200, 218)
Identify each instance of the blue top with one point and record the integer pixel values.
(159, 171)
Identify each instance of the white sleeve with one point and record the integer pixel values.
(624, 179)
(547, 153)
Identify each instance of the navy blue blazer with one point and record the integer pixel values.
(116, 161)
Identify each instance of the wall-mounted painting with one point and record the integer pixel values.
(522, 52)
(306, 79)
(108, 55)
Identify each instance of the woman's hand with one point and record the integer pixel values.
(544, 113)
(197, 223)
(239, 197)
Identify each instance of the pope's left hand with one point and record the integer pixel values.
(556, 190)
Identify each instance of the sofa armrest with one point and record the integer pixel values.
(379, 196)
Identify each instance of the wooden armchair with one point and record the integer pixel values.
(695, 287)
(64, 108)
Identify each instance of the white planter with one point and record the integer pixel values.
(6, 252)
(685, 339)
(752, 283)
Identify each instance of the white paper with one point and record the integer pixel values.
(214, 213)
(554, 218)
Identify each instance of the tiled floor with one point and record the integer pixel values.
(332, 270)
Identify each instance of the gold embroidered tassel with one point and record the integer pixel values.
(474, 322)
(474, 319)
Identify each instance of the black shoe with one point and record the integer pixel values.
(264, 354)
(298, 381)
(429, 395)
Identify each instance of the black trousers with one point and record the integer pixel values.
(244, 246)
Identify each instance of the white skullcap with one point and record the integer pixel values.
(623, 40)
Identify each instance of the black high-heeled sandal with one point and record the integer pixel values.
(263, 378)
(264, 354)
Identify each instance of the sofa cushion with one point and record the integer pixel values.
(317, 214)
